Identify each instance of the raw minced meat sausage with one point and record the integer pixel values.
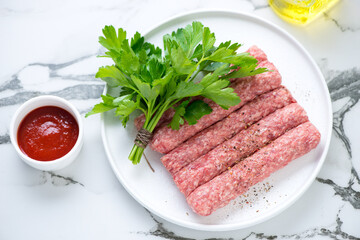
(257, 53)
(240, 146)
(166, 139)
(214, 135)
(227, 186)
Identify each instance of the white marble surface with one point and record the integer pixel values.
(50, 47)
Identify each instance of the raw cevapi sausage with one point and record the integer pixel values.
(227, 186)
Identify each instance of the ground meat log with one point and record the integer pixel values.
(227, 186)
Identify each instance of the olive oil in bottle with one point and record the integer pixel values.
(300, 11)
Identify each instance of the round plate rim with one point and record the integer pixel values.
(271, 214)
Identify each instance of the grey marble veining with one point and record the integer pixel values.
(83, 91)
(343, 28)
(13, 84)
(4, 139)
(160, 231)
(347, 193)
(344, 84)
(57, 179)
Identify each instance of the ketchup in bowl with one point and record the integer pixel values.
(47, 133)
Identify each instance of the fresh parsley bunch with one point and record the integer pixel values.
(153, 82)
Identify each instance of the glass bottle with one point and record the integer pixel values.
(300, 11)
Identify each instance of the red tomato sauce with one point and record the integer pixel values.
(47, 133)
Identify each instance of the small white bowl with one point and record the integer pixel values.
(43, 101)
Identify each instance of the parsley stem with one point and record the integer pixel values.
(150, 124)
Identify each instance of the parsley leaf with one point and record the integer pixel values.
(104, 106)
(196, 110)
(113, 77)
(178, 120)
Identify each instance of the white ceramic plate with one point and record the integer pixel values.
(158, 193)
